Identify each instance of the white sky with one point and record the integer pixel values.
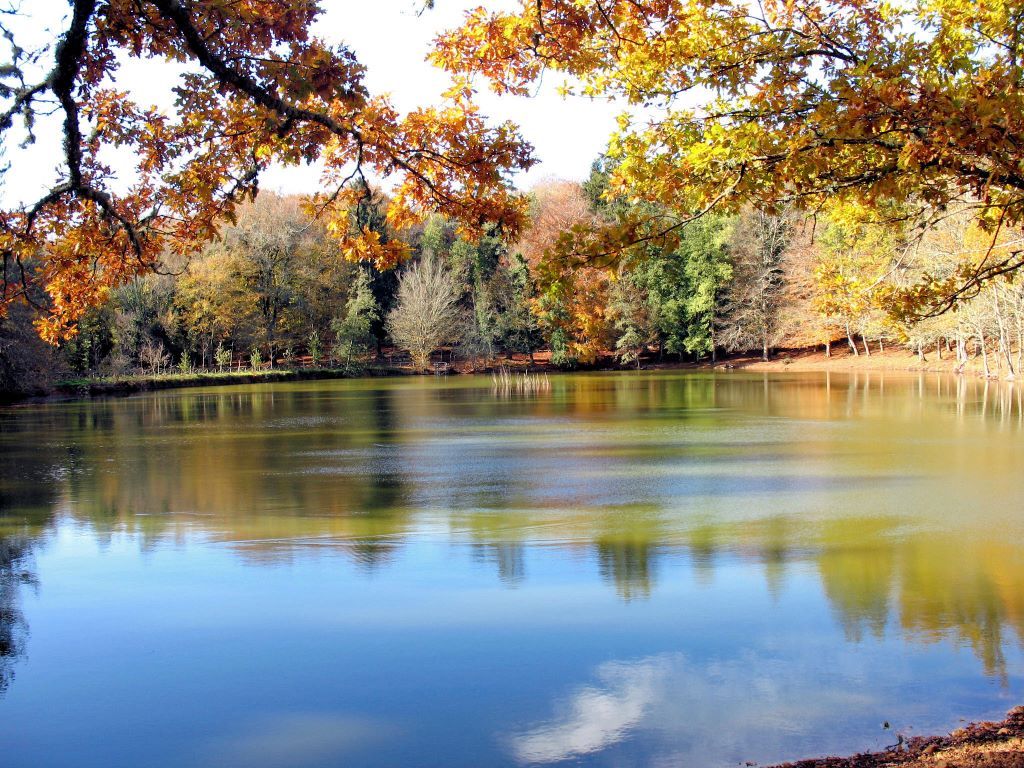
(392, 41)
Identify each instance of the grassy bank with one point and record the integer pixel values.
(131, 384)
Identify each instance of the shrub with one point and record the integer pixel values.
(222, 356)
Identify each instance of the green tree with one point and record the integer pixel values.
(708, 272)
(85, 351)
(683, 285)
(353, 332)
(314, 346)
(518, 329)
(630, 310)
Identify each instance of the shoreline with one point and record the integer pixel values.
(785, 360)
(976, 745)
(86, 388)
(843, 361)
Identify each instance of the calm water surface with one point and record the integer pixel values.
(626, 570)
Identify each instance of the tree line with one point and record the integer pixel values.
(856, 173)
(273, 290)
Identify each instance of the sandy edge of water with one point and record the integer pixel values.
(978, 745)
(843, 361)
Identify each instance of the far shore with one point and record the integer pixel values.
(841, 360)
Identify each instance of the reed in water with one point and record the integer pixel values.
(507, 381)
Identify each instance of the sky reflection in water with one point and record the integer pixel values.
(663, 569)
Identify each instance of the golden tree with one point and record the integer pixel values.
(253, 87)
(802, 103)
(572, 305)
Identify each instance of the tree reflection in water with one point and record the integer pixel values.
(15, 553)
(867, 481)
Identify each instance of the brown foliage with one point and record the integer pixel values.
(253, 88)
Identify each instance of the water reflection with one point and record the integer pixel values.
(509, 557)
(627, 565)
(597, 716)
(811, 467)
(14, 575)
(29, 483)
(763, 703)
(303, 738)
(895, 500)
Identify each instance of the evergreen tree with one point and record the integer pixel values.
(353, 333)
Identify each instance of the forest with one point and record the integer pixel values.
(852, 177)
(274, 290)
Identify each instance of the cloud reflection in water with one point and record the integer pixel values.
(597, 717)
(743, 708)
(298, 739)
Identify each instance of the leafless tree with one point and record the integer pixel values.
(427, 315)
(752, 317)
(153, 357)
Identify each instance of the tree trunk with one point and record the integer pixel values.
(1005, 347)
(849, 339)
(828, 349)
(1020, 345)
(1004, 341)
(864, 341)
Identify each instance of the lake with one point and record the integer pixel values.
(636, 569)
